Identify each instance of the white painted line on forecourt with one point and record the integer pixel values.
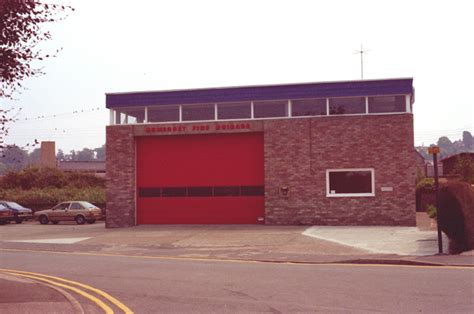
(52, 241)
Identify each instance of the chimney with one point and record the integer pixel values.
(48, 154)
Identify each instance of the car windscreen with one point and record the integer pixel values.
(14, 205)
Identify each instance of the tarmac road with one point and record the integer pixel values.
(159, 284)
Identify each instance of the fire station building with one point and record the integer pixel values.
(330, 153)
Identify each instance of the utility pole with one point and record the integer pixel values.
(361, 52)
(434, 150)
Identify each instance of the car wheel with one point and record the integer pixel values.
(43, 220)
(80, 220)
(18, 220)
(55, 222)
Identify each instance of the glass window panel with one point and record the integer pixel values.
(149, 192)
(163, 114)
(269, 109)
(234, 111)
(349, 105)
(197, 113)
(308, 107)
(119, 117)
(75, 206)
(62, 206)
(380, 104)
(200, 191)
(252, 190)
(350, 182)
(226, 191)
(130, 115)
(173, 192)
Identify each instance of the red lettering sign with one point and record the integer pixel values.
(198, 128)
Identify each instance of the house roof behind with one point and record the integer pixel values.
(471, 155)
(81, 165)
(264, 92)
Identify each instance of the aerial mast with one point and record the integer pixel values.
(361, 52)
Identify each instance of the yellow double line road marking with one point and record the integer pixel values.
(69, 284)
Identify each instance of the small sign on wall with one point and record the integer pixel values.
(387, 189)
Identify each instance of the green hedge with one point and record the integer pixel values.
(456, 216)
(426, 185)
(425, 194)
(41, 178)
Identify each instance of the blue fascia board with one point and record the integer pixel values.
(255, 93)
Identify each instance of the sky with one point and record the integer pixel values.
(119, 46)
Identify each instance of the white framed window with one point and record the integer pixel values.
(352, 182)
(203, 112)
(163, 114)
(235, 110)
(130, 115)
(347, 105)
(387, 104)
(270, 109)
(308, 107)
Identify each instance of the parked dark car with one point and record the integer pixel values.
(5, 215)
(20, 213)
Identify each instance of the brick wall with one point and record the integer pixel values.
(120, 168)
(298, 152)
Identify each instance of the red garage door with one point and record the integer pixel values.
(200, 179)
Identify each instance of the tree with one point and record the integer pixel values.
(3, 168)
(85, 154)
(20, 25)
(60, 155)
(6, 117)
(15, 158)
(35, 156)
(446, 146)
(100, 153)
(71, 156)
(464, 167)
(468, 141)
(20, 33)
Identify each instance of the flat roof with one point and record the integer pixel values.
(261, 92)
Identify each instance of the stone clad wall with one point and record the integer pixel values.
(298, 152)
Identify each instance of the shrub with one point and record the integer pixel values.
(426, 185)
(456, 216)
(420, 175)
(464, 167)
(80, 180)
(431, 210)
(425, 196)
(40, 178)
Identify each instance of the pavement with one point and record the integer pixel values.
(295, 244)
(312, 244)
(21, 295)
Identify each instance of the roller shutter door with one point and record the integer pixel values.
(200, 179)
